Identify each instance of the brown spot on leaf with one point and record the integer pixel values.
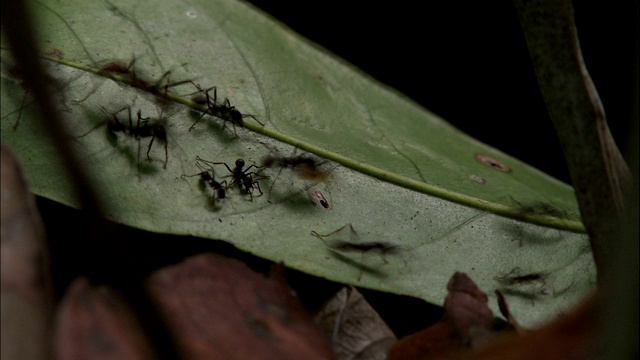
(492, 163)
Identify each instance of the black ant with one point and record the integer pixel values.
(207, 176)
(304, 166)
(224, 110)
(128, 71)
(143, 129)
(247, 181)
(117, 67)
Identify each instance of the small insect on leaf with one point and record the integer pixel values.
(346, 239)
(514, 277)
(305, 167)
(318, 198)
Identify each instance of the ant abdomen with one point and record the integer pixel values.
(207, 178)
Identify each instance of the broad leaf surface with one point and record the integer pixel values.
(398, 173)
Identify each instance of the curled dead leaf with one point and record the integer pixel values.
(217, 308)
(468, 323)
(96, 323)
(354, 327)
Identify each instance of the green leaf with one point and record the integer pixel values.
(398, 174)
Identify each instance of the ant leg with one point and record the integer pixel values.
(194, 175)
(353, 231)
(224, 124)
(200, 90)
(166, 73)
(166, 155)
(234, 127)
(252, 166)
(194, 124)
(177, 83)
(139, 178)
(257, 184)
(220, 163)
(253, 117)
(149, 148)
(75, 102)
(274, 182)
(113, 115)
(93, 128)
(215, 97)
(233, 182)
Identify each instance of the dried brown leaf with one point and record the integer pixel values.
(467, 311)
(467, 323)
(95, 323)
(217, 308)
(355, 328)
(571, 337)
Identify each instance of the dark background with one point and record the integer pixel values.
(467, 61)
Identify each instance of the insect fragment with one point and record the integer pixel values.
(303, 166)
(318, 198)
(346, 239)
(514, 277)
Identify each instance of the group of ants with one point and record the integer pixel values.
(245, 178)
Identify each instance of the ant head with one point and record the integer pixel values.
(240, 163)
